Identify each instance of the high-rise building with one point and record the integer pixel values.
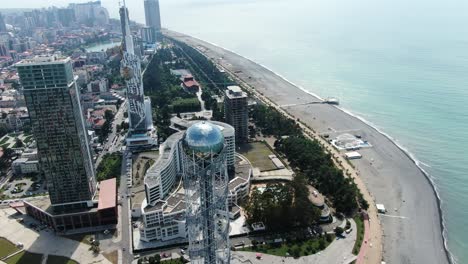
(2, 24)
(91, 13)
(153, 16)
(148, 35)
(206, 191)
(76, 202)
(163, 209)
(236, 112)
(4, 51)
(66, 16)
(141, 131)
(123, 12)
(52, 99)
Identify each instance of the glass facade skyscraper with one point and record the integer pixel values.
(153, 17)
(52, 99)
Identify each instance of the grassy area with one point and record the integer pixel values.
(295, 249)
(51, 259)
(257, 153)
(110, 167)
(173, 261)
(6, 247)
(360, 234)
(4, 140)
(4, 146)
(113, 256)
(27, 139)
(25, 258)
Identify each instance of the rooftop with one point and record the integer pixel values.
(234, 92)
(107, 194)
(44, 59)
(204, 137)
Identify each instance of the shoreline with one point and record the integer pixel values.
(450, 258)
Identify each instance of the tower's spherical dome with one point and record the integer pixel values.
(204, 137)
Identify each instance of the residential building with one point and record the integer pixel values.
(52, 99)
(148, 34)
(25, 166)
(141, 132)
(153, 16)
(162, 210)
(236, 112)
(3, 27)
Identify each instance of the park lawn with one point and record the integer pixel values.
(6, 247)
(257, 153)
(27, 139)
(295, 248)
(110, 167)
(360, 234)
(4, 140)
(51, 259)
(25, 258)
(173, 261)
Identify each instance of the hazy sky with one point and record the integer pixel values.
(135, 6)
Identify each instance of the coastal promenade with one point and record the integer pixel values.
(411, 231)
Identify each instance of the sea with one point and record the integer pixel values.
(402, 65)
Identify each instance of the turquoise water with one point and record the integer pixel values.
(101, 46)
(402, 65)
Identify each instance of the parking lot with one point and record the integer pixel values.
(24, 187)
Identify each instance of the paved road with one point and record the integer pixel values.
(114, 140)
(340, 251)
(45, 241)
(390, 175)
(125, 218)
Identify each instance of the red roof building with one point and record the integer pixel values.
(107, 194)
(190, 83)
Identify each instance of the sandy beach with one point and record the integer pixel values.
(412, 229)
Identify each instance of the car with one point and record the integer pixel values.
(182, 251)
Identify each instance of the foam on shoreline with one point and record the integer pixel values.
(410, 155)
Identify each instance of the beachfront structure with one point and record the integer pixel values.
(141, 132)
(153, 18)
(206, 191)
(163, 209)
(52, 99)
(236, 112)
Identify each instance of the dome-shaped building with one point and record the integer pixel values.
(204, 137)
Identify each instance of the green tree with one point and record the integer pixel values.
(19, 143)
(339, 231)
